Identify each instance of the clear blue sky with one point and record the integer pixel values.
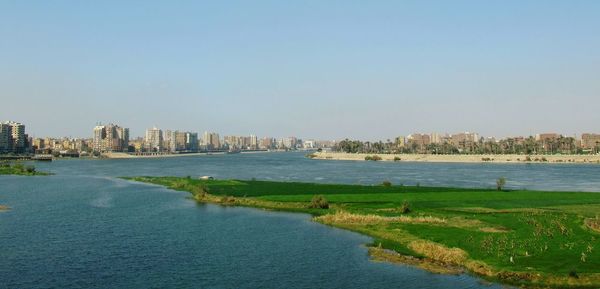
(319, 69)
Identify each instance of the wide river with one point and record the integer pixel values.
(84, 228)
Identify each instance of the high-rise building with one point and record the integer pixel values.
(154, 139)
(5, 138)
(253, 142)
(191, 141)
(19, 138)
(211, 141)
(110, 138)
(13, 138)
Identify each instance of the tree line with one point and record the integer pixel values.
(560, 145)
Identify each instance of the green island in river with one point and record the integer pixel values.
(524, 238)
(7, 168)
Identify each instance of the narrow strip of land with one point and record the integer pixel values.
(458, 158)
(524, 238)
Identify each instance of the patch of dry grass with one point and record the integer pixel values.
(593, 223)
(343, 217)
(438, 252)
(494, 230)
(383, 255)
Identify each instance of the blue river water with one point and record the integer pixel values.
(85, 228)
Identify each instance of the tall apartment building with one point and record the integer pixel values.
(154, 140)
(211, 141)
(110, 138)
(253, 142)
(181, 141)
(5, 138)
(13, 138)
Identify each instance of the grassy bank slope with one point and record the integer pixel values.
(527, 238)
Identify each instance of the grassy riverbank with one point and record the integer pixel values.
(526, 238)
(7, 168)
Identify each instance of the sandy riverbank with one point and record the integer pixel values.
(462, 158)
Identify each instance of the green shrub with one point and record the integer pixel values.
(405, 208)
(397, 159)
(373, 158)
(319, 202)
(386, 183)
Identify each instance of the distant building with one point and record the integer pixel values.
(418, 140)
(289, 142)
(267, 143)
(464, 141)
(590, 140)
(435, 138)
(544, 137)
(110, 138)
(211, 141)
(5, 138)
(309, 144)
(13, 138)
(154, 140)
(547, 140)
(253, 142)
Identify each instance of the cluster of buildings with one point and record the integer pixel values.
(113, 138)
(588, 142)
(169, 141)
(463, 139)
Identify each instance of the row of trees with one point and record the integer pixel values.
(562, 145)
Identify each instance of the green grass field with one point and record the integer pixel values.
(527, 238)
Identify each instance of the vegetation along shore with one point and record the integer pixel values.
(7, 168)
(458, 158)
(523, 238)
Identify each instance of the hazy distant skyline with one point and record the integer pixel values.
(313, 69)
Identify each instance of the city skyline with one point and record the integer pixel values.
(320, 69)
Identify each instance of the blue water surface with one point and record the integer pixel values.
(85, 228)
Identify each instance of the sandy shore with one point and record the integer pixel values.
(462, 158)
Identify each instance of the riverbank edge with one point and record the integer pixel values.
(379, 252)
(526, 159)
